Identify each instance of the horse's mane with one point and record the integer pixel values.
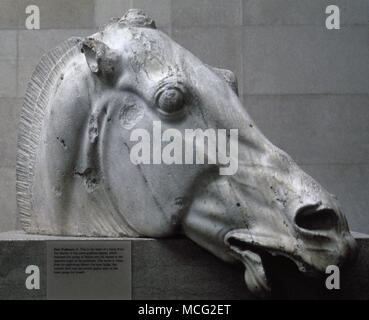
(39, 90)
(35, 104)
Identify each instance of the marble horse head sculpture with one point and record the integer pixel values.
(104, 150)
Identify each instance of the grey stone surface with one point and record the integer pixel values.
(8, 63)
(178, 269)
(14, 259)
(34, 43)
(9, 14)
(192, 273)
(8, 78)
(8, 209)
(219, 47)
(159, 10)
(315, 129)
(305, 59)
(19, 235)
(9, 44)
(106, 9)
(292, 12)
(205, 13)
(60, 14)
(9, 118)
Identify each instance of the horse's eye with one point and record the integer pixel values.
(171, 100)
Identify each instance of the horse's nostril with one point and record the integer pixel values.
(311, 218)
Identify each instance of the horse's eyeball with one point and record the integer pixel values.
(171, 100)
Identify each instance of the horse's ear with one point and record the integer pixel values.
(102, 60)
(228, 76)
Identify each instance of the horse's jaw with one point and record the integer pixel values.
(232, 220)
(252, 250)
(255, 275)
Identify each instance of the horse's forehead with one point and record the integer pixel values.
(148, 48)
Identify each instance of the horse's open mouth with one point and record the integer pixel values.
(257, 261)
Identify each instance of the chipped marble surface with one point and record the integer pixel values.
(75, 176)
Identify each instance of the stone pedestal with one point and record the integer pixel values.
(178, 269)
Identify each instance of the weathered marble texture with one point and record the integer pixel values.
(75, 176)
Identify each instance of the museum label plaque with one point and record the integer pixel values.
(89, 270)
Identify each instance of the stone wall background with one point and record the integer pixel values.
(306, 87)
